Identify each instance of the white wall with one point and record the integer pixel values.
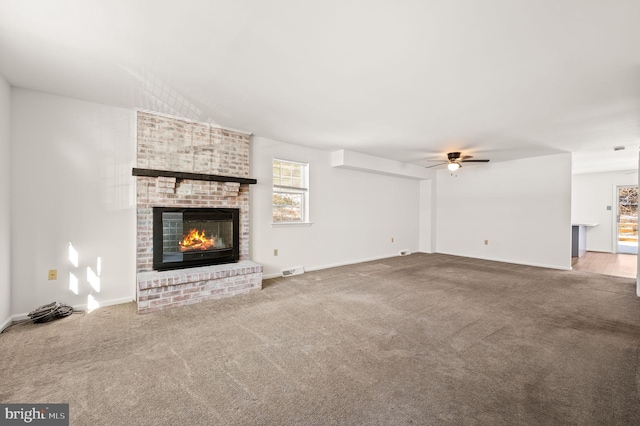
(5, 224)
(522, 207)
(428, 225)
(71, 183)
(590, 196)
(355, 214)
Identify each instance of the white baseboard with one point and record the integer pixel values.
(334, 265)
(111, 302)
(6, 323)
(353, 262)
(269, 276)
(514, 262)
(83, 307)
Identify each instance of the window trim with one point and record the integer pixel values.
(301, 190)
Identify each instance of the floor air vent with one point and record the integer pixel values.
(293, 271)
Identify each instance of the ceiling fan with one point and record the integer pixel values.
(454, 161)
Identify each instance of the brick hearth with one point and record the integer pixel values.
(167, 143)
(168, 289)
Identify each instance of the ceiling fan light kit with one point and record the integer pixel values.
(454, 161)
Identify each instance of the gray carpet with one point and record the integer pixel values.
(421, 339)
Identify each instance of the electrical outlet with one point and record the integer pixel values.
(486, 242)
(53, 274)
(275, 252)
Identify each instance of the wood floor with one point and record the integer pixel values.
(619, 265)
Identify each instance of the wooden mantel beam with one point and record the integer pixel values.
(193, 176)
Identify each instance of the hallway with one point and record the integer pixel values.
(619, 265)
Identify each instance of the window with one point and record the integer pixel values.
(290, 192)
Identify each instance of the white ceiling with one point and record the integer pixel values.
(405, 80)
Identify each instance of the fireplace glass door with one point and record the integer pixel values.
(188, 237)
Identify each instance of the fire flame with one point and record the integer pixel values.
(196, 240)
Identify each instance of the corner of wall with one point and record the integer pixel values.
(80, 155)
(5, 193)
(478, 209)
(357, 216)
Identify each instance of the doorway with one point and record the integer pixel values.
(626, 226)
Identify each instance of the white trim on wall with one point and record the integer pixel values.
(81, 308)
(335, 265)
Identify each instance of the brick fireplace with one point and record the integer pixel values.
(184, 164)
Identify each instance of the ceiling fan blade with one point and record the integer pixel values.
(465, 157)
(431, 161)
(474, 161)
(435, 165)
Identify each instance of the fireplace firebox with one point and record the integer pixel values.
(189, 237)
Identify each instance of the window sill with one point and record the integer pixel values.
(290, 224)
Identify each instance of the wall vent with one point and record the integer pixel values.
(296, 270)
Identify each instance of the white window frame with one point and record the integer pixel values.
(304, 191)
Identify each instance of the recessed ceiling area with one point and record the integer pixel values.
(405, 80)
